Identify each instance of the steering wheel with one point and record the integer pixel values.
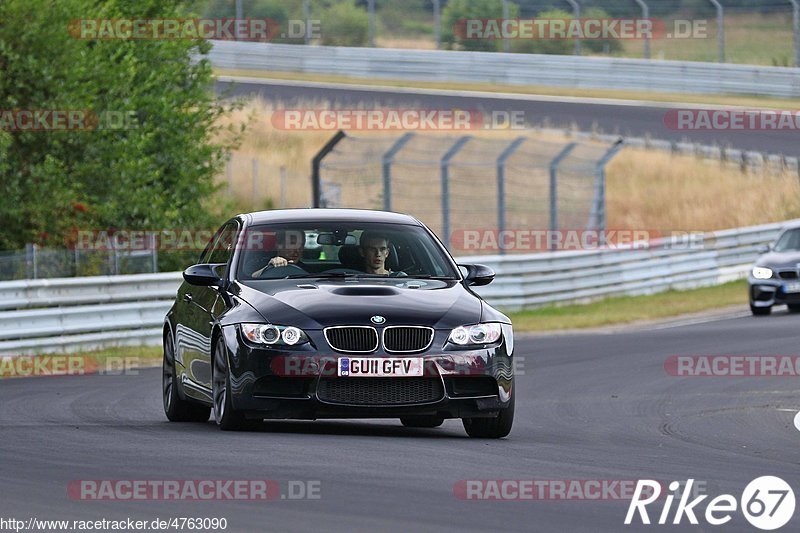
(273, 272)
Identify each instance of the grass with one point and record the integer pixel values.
(628, 309)
(114, 360)
(538, 90)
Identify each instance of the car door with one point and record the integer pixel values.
(206, 303)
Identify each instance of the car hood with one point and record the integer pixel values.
(315, 304)
(781, 260)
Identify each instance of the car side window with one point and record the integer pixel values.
(222, 247)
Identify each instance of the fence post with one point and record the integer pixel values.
(317, 161)
(239, 16)
(255, 182)
(720, 30)
(31, 260)
(646, 16)
(445, 171)
(307, 17)
(501, 184)
(283, 186)
(371, 22)
(387, 160)
(796, 30)
(576, 12)
(597, 218)
(554, 187)
(437, 22)
(505, 17)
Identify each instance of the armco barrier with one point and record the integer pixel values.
(68, 314)
(511, 69)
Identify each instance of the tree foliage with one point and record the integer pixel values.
(156, 173)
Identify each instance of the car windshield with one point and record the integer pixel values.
(357, 250)
(789, 241)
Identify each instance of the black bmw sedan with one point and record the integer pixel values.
(775, 278)
(375, 320)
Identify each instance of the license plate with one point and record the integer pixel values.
(791, 287)
(374, 367)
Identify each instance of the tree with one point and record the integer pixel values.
(156, 172)
(344, 24)
(458, 11)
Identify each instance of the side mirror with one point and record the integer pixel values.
(765, 249)
(204, 275)
(478, 275)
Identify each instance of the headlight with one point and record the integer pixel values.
(273, 335)
(486, 333)
(762, 272)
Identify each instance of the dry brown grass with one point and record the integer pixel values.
(646, 189)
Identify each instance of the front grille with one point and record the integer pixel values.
(788, 274)
(352, 339)
(380, 391)
(407, 338)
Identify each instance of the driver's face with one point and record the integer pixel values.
(292, 249)
(375, 252)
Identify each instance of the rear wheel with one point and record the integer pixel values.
(227, 418)
(177, 409)
(760, 311)
(491, 428)
(793, 308)
(422, 421)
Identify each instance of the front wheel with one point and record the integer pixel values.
(760, 311)
(227, 418)
(177, 409)
(491, 428)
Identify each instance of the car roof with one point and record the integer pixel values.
(277, 216)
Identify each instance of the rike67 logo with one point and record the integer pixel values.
(767, 503)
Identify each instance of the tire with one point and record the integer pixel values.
(422, 421)
(793, 308)
(176, 408)
(491, 428)
(226, 417)
(760, 311)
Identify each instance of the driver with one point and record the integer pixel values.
(374, 248)
(289, 251)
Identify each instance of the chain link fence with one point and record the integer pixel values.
(465, 185)
(35, 262)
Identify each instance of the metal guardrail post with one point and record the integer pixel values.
(501, 183)
(645, 15)
(796, 30)
(597, 218)
(387, 160)
(720, 30)
(437, 22)
(315, 165)
(576, 12)
(445, 171)
(554, 185)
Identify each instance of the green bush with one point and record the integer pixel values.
(600, 46)
(459, 10)
(546, 46)
(345, 24)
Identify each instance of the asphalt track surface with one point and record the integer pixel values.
(637, 120)
(590, 406)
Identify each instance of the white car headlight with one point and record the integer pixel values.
(478, 334)
(273, 335)
(762, 272)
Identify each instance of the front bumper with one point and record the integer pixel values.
(769, 292)
(286, 384)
